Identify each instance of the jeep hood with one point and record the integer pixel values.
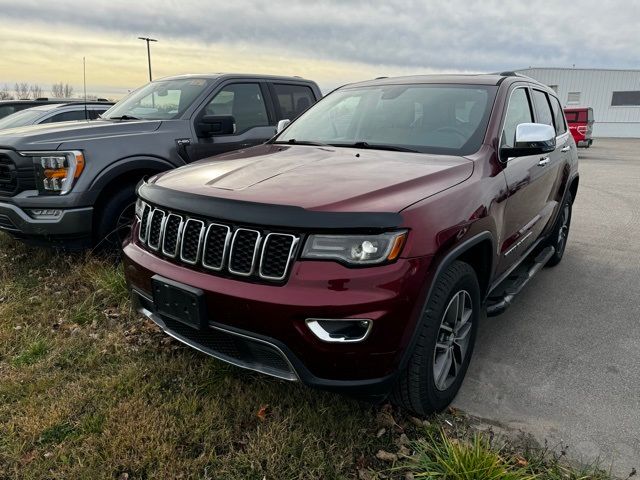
(51, 136)
(320, 178)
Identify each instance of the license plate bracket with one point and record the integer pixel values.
(179, 302)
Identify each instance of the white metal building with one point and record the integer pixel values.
(614, 96)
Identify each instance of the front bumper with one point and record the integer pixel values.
(257, 326)
(71, 223)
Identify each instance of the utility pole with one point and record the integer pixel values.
(147, 39)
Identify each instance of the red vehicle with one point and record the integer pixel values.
(356, 249)
(580, 120)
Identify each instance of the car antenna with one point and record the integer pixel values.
(84, 82)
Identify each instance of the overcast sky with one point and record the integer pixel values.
(332, 42)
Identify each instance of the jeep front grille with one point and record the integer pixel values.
(231, 250)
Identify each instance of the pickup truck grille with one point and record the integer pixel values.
(226, 249)
(14, 180)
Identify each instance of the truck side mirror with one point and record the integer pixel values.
(282, 124)
(531, 139)
(212, 125)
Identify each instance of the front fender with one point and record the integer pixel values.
(126, 165)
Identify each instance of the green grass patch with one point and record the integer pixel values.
(56, 433)
(441, 457)
(32, 354)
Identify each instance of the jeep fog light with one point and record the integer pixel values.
(340, 330)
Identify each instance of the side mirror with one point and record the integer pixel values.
(282, 124)
(211, 125)
(531, 139)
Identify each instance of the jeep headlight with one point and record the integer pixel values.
(57, 172)
(355, 249)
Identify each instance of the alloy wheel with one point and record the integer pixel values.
(123, 223)
(563, 233)
(453, 340)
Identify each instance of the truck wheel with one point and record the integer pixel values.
(445, 343)
(560, 233)
(115, 218)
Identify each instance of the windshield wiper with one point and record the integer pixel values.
(375, 146)
(124, 117)
(293, 141)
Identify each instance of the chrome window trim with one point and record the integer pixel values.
(184, 230)
(143, 238)
(506, 110)
(294, 243)
(255, 252)
(164, 217)
(224, 247)
(178, 238)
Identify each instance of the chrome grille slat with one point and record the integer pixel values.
(155, 227)
(144, 223)
(210, 253)
(244, 241)
(278, 256)
(171, 235)
(193, 231)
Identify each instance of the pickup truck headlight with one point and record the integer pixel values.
(355, 249)
(57, 172)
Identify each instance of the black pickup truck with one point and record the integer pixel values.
(72, 184)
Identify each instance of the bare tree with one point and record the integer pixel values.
(4, 93)
(22, 90)
(35, 90)
(61, 90)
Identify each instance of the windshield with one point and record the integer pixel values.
(160, 100)
(448, 119)
(20, 119)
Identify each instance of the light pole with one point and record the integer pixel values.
(147, 39)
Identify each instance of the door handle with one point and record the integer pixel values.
(543, 161)
(566, 149)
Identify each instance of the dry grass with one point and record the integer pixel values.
(89, 390)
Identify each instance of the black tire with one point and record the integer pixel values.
(111, 218)
(416, 389)
(560, 234)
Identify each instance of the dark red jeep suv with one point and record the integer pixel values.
(358, 249)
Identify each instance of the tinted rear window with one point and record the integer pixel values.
(543, 110)
(293, 99)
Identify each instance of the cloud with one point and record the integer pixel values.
(330, 37)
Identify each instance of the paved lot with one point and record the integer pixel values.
(563, 363)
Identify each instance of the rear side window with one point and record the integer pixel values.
(561, 127)
(6, 110)
(242, 100)
(293, 99)
(66, 117)
(95, 113)
(518, 111)
(543, 111)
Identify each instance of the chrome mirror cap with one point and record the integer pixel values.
(535, 133)
(282, 124)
